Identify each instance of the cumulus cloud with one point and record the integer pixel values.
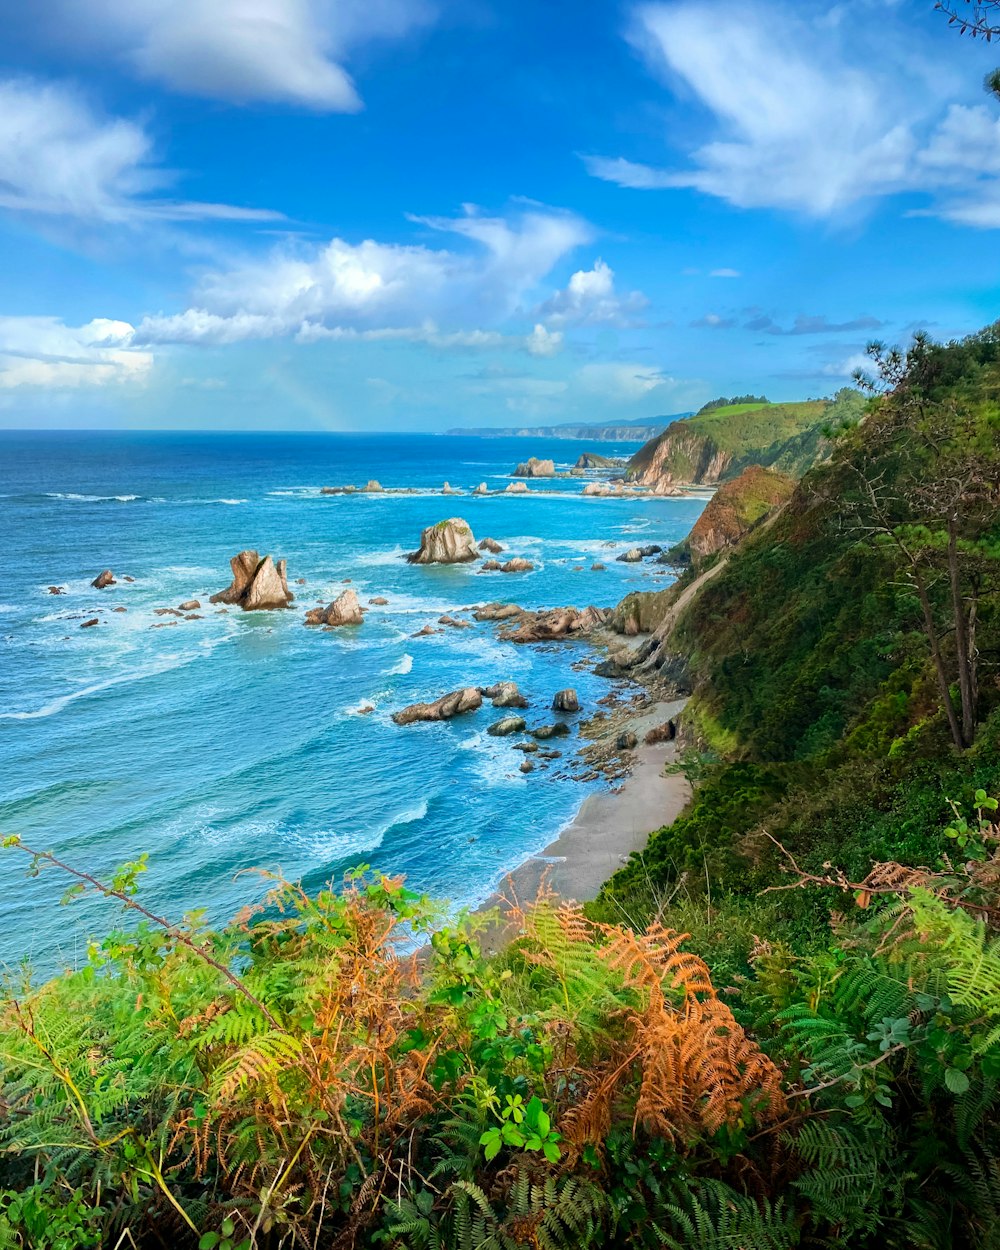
(58, 157)
(590, 298)
(242, 51)
(44, 352)
(798, 121)
(383, 289)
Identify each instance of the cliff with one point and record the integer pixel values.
(737, 507)
(720, 443)
(600, 432)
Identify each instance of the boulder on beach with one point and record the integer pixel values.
(447, 542)
(504, 694)
(533, 467)
(491, 545)
(516, 488)
(190, 605)
(666, 732)
(517, 565)
(566, 701)
(449, 705)
(107, 578)
(506, 725)
(257, 585)
(345, 610)
(626, 740)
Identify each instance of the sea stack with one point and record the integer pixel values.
(345, 610)
(258, 584)
(533, 467)
(447, 542)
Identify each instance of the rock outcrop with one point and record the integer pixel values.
(635, 554)
(373, 486)
(591, 460)
(515, 488)
(447, 542)
(102, 580)
(566, 701)
(506, 725)
(345, 610)
(517, 565)
(533, 467)
(491, 545)
(56, 590)
(551, 626)
(734, 510)
(490, 566)
(89, 624)
(544, 732)
(449, 705)
(497, 611)
(504, 694)
(641, 612)
(258, 584)
(481, 489)
(189, 605)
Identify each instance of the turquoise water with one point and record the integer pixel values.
(234, 741)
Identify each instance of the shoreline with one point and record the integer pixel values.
(607, 828)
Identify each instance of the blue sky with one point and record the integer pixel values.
(411, 214)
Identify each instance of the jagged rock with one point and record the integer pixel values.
(504, 694)
(454, 622)
(626, 740)
(447, 542)
(257, 583)
(379, 601)
(632, 556)
(497, 611)
(491, 545)
(506, 725)
(57, 590)
(481, 489)
(107, 578)
(449, 705)
(490, 566)
(544, 732)
(345, 610)
(516, 488)
(190, 605)
(527, 766)
(533, 467)
(591, 460)
(598, 567)
(566, 701)
(373, 486)
(517, 565)
(89, 624)
(552, 625)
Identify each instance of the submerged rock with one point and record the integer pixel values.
(57, 590)
(449, 705)
(447, 542)
(258, 584)
(345, 610)
(533, 467)
(566, 701)
(107, 578)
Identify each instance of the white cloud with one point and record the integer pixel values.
(622, 381)
(59, 158)
(43, 352)
(544, 342)
(800, 121)
(383, 289)
(242, 51)
(725, 273)
(589, 298)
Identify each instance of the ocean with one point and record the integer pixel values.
(235, 741)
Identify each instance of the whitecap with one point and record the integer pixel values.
(63, 701)
(229, 501)
(403, 666)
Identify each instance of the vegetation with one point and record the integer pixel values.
(779, 1026)
(746, 401)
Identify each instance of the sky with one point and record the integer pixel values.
(415, 214)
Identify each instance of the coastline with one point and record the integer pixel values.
(607, 827)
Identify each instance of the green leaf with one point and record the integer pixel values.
(228, 1227)
(956, 1080)
(543, 1124)
(552, 1152)
(209, 1241)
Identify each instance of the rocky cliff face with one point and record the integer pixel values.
(711, 447)
(734, 510)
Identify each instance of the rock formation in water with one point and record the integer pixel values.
(107, 578)
(57, 590)
(533, 467)
(89, 624)
(566, 701)
(517, 565)
(257, 584)
(504, 694)
(635, 554)
(591, 460)
(447, 542)
(373, 486)
(189, 605)
(481, 489)
(550, 626)
(491, 545)
(490, 566)
(497, 611)
(516, 488)
(449, 705)
(506, 725)
(345, 610)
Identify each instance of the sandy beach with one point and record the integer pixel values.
(608, 827)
